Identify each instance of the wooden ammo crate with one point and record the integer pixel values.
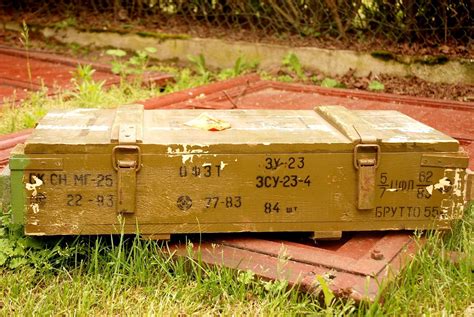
(90, 171)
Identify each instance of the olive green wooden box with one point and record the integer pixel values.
(91, 171)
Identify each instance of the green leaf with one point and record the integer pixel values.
(200, 64)
(18, 251)
(135, 60)
(285, 78)
(376, 85)
(151, 50)
(332, 83)
(30, 243)
(116, 67)
(3, 258)
(226, 74)
(315, 80)
(7, 247)
(292, 62)
(238, 66)
(17, 262)
(246, 277)
(116, 52)
(328, 294)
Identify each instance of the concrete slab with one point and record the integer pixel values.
(223, 54)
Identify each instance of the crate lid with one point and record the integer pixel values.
(325, 129)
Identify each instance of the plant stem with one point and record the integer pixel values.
(26, 43)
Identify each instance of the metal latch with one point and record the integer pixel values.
(126, 160)
(366, 161)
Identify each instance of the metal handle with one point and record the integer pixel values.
(357, 164)
(126, 148)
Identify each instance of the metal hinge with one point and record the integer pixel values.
(366, 161)
(126, 160)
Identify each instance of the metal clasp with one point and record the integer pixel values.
(126, 148)
(366, 162)
(366, 167)
(127, 161)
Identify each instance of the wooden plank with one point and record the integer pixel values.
(127, 117)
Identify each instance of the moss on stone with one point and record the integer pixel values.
(432, 60)
(98, 30)
(383, 55)
(163, 36)
(156, 35)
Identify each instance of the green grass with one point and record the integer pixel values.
(431, 283)
(130, 276)
(16, 116)
(127, 276)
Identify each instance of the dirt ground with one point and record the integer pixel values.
(414, 86)
(397, 85)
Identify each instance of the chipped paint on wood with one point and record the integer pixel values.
(182, 152)
(34, 193)
(73, 127)
(443, 185)
(75, 113)
(37, 183)
(222, 165)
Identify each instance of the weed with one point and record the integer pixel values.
(118, 66)
(376, 85)
(13, 244)
(140, 60)
(83, 73)
(185, 78)
(15, 118)
(285, 78)
(328, 294)
(292, 62)
(136, 65)
(200, 66)
(331, 83)
(315, 80)
(116, 52)
(25, 41)
(309, 31)
(63, 24)
(78, 49)
(87, 91)
(241, 66)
